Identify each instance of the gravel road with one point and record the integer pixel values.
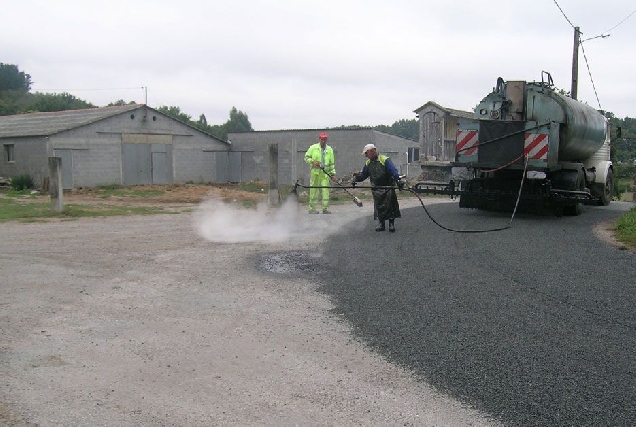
(187, 320)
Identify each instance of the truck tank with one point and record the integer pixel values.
(583, 129)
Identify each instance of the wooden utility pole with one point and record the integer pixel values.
(575, 64)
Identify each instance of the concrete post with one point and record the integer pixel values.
(274, 196)
(55, 183)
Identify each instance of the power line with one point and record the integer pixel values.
(564, 15)
(591, 79)
(621, 22)
(78, 90)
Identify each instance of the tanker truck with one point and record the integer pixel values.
(530, 142)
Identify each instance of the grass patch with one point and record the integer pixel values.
(253, 186)
(22, 194)
(12, 209)
(626, 228)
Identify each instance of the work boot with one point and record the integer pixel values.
(313, 211)
(326, 211)
(381, 226)
(391, 226)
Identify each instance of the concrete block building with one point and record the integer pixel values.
(253, 150)
(124, 145)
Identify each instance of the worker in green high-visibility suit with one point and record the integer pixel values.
(322, 161)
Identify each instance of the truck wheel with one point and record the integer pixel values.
(606, 190)
(579, 185)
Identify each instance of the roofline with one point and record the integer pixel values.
(307, 130)
(445, 109)
(187, 124)
(128, 108)
(323, 130)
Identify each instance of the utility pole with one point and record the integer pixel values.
(575, 63)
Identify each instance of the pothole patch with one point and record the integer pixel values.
(289, 263)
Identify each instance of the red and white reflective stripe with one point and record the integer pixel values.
(467, 142)
(536, 146)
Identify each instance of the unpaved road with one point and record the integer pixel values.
(141, 321)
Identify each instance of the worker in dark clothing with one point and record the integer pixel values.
(382, 173)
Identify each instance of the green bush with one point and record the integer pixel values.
(22, 182)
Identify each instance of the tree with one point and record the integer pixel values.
(409, 129)
(11, 78)
(176, 113)
(14, 85)
(120, 102)
(239, 122)
(46, 102)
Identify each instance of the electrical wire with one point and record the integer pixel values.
(621, 22)
(564, 15)
(587, 63)
(77, 90)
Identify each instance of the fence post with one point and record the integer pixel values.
(55, 183)
(274, 196)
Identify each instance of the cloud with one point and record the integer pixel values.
(312, 64)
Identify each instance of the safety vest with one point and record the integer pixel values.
(378, 175)
(314, 153)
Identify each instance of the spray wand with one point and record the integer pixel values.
(355, 199)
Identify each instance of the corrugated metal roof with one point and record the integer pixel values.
(46, 124)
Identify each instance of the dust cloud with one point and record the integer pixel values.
(216, 221)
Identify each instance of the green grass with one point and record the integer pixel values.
(626, 228)
(21, 209)
(23, 194)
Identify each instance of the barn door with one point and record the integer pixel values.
(137, 164)
(161, 164)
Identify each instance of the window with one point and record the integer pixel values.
(8, 153)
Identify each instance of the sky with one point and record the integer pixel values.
(311, 64)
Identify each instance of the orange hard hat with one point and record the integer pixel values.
(323, 135)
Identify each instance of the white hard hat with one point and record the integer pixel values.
(367, 148)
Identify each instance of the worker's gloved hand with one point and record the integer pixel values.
(400, 184)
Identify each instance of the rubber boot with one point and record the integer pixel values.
(381, 226)
(391, 226)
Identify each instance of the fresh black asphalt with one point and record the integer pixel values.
(534, 325)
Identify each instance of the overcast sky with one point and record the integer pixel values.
(311, 64)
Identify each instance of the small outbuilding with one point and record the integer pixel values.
(253, 150)
(123, 145)
(438, 137)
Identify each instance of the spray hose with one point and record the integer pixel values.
(477, 231)
(359, 203)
